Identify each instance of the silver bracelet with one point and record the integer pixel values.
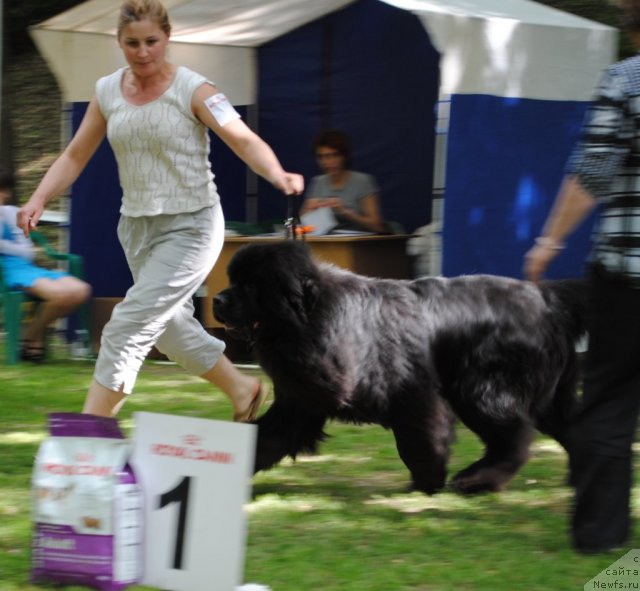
(550, 243)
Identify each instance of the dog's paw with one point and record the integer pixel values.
(473, 486)
(479, 481)
(428, 487)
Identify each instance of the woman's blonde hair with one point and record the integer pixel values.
(138, 10)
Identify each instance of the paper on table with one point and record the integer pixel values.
(322, 220)
(347, 232)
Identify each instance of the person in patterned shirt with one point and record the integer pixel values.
(604, 172)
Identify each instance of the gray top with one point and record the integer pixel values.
(358, 186)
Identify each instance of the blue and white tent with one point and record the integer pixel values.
(478, 99)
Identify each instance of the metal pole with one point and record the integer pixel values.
(1, 62)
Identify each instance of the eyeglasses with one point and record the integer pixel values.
(326, 155)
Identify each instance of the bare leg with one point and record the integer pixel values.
(101, 401)
(240, 388)
(61, 297)
(47, 313)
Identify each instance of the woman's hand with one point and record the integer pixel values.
(311, 204)
(538, 259)
(290, 183)
(29, 215)
(336, 204)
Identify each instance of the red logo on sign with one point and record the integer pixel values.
(191, 439)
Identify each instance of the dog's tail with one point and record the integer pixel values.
(569, 301)
(569, 304)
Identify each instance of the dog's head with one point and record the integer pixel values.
(272, 288)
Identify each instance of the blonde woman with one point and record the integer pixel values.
(156, 116)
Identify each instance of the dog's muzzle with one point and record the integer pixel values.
(220, 307)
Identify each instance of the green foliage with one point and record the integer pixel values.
(601, 11)
(19, 15)
(341, 520)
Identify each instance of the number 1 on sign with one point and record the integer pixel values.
(178, 494)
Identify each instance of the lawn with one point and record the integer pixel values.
(339, 521)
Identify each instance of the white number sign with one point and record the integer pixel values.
(196, 478)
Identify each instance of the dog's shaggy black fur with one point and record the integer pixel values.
(498, 351)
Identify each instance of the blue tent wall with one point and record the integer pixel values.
(505, 161)
(95, 205)
(95, 202)
(370, 70)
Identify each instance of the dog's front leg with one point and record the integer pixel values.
(285, 430)
(423, 438)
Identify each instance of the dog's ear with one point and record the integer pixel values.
(293, 300)
(286, 282)
(311, 291)
(293, 297)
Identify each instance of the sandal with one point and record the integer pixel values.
(33, 353)
(254, 406)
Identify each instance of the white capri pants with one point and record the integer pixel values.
(169, 256)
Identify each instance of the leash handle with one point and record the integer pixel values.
(292, 220)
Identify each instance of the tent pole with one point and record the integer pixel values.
(2, 130)
(439, 184)
(251, 199)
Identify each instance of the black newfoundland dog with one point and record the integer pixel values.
(498, 352)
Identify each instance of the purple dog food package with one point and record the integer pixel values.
(87, 506)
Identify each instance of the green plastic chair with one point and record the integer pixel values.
(13, 300)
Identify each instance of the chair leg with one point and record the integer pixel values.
(80, 335)
(12, 319)
(85, 323)
(83, 315)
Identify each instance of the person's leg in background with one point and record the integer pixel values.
(60, 297)
(603, 432)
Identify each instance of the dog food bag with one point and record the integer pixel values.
(87, 506)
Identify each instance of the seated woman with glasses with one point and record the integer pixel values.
(352, 196)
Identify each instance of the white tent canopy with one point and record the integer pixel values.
(512, 78)
(501, 47)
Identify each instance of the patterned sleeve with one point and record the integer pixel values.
(606, 138)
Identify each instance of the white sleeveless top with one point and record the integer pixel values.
(161, 148)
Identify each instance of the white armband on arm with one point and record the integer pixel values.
(221, 109)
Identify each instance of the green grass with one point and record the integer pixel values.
(339, 521)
